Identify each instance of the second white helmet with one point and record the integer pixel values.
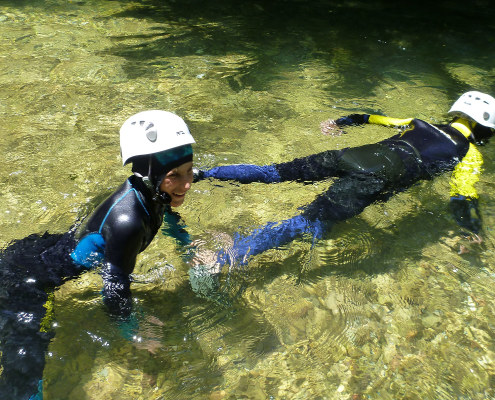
(152, 131)
(478, 106)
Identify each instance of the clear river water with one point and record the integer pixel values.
(395, 303)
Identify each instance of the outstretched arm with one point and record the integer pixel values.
(248, 173)
(269, 236)
(360, 119)
(243, 173)
(332, 127)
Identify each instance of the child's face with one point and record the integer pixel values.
(177, 182)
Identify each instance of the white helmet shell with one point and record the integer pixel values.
(152, 131)
(478, 106)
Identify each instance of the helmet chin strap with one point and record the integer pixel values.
(157, 194)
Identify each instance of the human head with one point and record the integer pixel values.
(176, 183)
(155, 142)
(477, 106)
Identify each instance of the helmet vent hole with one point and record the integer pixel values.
(486, 116)
(151, 135)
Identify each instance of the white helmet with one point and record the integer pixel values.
(152, 131)
(478, 106)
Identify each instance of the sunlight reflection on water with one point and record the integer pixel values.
(394, 303)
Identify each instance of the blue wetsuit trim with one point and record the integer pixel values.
(91, 248)
(117, 202)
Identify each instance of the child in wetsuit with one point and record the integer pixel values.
(373, 172)
(158, 144)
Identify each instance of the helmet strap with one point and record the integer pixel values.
(146, 179)
(157, 195)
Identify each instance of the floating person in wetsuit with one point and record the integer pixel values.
(370, 173)
(158, 144)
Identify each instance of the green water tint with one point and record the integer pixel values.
(384, 308)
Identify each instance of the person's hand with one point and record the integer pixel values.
(149, 334)
(209, 258)
(473, 239)
(330, 128)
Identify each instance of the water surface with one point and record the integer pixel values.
(394, 303)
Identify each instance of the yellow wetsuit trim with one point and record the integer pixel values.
(46, 322)
(463, 126)
(467, 173)
(388, 121)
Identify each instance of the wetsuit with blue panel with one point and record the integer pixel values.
(110, 239)
(31, 268)
(118, 230)
(366, 174)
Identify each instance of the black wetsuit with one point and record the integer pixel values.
(117, 231)
(30, 268)
(364, 174)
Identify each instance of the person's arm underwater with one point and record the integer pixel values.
(269, 236)
(463, 194)
(115, 251)
(122, 246)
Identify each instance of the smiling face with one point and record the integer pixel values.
(177, 182)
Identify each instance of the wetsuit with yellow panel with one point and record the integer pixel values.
(366, 174)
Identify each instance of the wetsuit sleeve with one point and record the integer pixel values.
(116, 291)
(174, 227)
(352, 119)
(122, 245)
(463, 194)
(244, 173)
(269, 236)
(388, 121)
(361, 119)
